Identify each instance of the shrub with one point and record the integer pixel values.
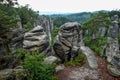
(96, 44)
(79, 61)
(37, 69)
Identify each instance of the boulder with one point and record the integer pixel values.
(67, 42)
(51, 60)
(36, 40)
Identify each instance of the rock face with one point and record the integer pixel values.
(17, 40)
(112, 50)
(67, 43)
(46, 23)
(36, 39)
(13, 74)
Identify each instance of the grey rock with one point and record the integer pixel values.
(13, 74)
(92, 61)
(17, 39)
(112, 70)
(112, 49)
(67, 42)
(46, 23)
(36, 39)
(51, 59)
(59, 68)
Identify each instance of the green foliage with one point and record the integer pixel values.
(8, 15)
(114, 12)
(78, 17)
(28, 26)
(79, 61)
(100, 19)
(54, 33)
(58, 21)
(97, 20)
(37, 69)
(27, 15)
(96, 44)
(7, 21)
(20, 53)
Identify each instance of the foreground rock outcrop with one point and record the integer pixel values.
(13, 74)
(36, 39)
(66, 45)
(69, 44)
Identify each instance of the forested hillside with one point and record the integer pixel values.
(78, 17)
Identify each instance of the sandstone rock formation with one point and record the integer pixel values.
(66, 45)
(112, 50)
(46, 23)
(17, 39)
(36, 39)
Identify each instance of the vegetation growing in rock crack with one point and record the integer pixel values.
(78, 61)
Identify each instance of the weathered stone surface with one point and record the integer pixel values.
(13, 74)
(66, 45)
(92, 61)
(59, 68)
(51, 60)
(113, 71)
(112, 50)
(17, 39)
(47, 24)
(36, 39)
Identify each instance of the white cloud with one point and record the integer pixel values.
(71, 5)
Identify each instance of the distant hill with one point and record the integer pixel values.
(79, 17)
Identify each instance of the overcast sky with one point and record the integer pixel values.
(71, 5)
